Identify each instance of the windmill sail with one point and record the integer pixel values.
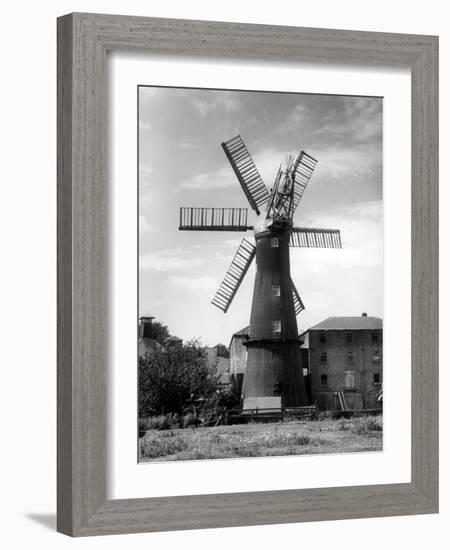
(235, 274)
(315, 238)
(213, 219)
(303, 169)
(298, 304)
(246, 172)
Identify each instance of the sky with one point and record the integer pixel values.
(181, 163)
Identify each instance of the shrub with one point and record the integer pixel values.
(173, 378)
(367, 424)
(161, 422)
(362, 425)
(153, 446)
(189, 419)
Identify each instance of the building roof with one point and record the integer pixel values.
(349, 323)
(243, 332)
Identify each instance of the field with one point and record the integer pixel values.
(263, 439)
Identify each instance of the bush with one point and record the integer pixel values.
(324, 415)
(362, 425)
(161, 422)
(190, 419)
(153, 446)
(174, 378)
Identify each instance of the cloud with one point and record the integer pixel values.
(145, 174)
(358, 120)
(169, 260)
(361, 229)
(144, 226)
(266, 162)
(343, 281)
(148, 93)
(233, 242)
(206, 103)
(193, 283)
(338, 165)
(186, 145)
(218, 179)
(297, 116)
(144, 125)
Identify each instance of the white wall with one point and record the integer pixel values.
(27, 217)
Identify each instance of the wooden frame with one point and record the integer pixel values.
(83, 40)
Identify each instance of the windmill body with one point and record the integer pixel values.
(274, 375)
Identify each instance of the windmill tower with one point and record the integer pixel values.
(273, 375)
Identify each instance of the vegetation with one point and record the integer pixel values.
(175, 380)
(362, 425)
(160, 332)
(273, 439)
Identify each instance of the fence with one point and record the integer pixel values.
(240, 416)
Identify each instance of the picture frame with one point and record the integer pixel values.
(83, 41)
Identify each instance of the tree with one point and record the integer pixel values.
(160, 332)
(172, 379)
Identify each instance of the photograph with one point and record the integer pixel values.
(260, 273)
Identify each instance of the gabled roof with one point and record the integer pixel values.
(349, 323)
(243, 332)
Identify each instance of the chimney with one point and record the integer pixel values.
(145, 327)
(363, 314)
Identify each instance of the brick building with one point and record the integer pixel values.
(346, 362)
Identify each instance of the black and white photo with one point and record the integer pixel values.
(260, 273)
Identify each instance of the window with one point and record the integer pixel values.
(376, 355)
(376, 378)
(275, 290)
(349, 379)
(322, 337)
(374, 337)
(350, 356)
(323, 379)
(349, 337)
(276, 326)
(323, 357)
(274, 242)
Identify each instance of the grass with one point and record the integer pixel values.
(274, 439)
(362, 425)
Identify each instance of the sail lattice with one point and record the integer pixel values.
(246, 172)
(315, 238)
(303, 169)
(235, 274)
(298, 304)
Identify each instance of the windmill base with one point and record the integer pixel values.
(269, 402)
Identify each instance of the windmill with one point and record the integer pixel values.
(273, 375)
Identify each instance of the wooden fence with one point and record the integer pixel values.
(241, 416)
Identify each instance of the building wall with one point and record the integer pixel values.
(216, 358)
(238, 360)
(340, 369)
(238, 355)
